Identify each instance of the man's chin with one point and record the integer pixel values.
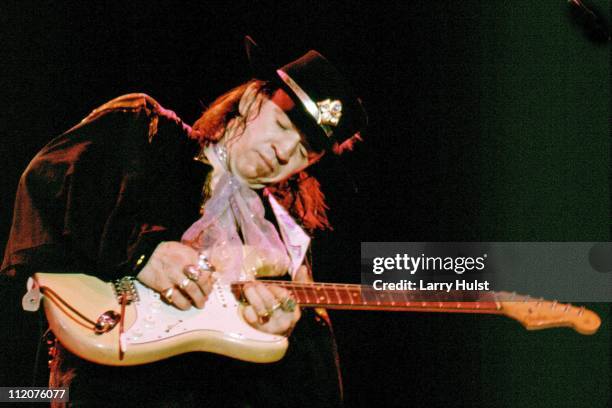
(256, 177)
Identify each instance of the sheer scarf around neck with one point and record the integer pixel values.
(234, 234)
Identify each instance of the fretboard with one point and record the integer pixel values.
(364, 297)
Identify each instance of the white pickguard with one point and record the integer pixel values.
(157, 320)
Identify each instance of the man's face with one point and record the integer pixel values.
(271, 148)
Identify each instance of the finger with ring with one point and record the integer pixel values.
(191, 290)
(288, 304)
(276, 306)
(167, 294)
(192, 272)
(184, 283)
(175, 297)
(264, 316)
(204, 264)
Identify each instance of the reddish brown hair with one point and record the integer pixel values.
(211, 125)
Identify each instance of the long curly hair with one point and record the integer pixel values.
(301, 194)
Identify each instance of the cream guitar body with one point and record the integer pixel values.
(153, 330)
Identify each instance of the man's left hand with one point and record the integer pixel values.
(271, 308)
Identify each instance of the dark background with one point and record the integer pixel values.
(489, 121)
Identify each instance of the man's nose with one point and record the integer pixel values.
(285, 148)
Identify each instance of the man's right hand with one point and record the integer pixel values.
(168, 267)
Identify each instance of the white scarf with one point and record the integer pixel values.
(234, 210)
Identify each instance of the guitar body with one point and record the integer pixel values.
(152, 329)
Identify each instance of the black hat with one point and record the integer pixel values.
(328, 111)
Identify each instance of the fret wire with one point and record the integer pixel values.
(365, 295)
(346, 292)
(304, 293)
(311, 294)
(321, 295)
(350, 294)
(393, 295)
(406, 297)
(396, 297)
(302, 296)
(337, 294)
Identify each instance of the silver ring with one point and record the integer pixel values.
(204, 264)
(184, 283)
(193, 273)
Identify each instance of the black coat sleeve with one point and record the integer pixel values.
(100, 197)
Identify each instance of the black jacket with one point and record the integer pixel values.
(107, 191)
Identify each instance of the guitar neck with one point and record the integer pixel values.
(363, 297)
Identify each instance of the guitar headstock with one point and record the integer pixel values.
(537, 314)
